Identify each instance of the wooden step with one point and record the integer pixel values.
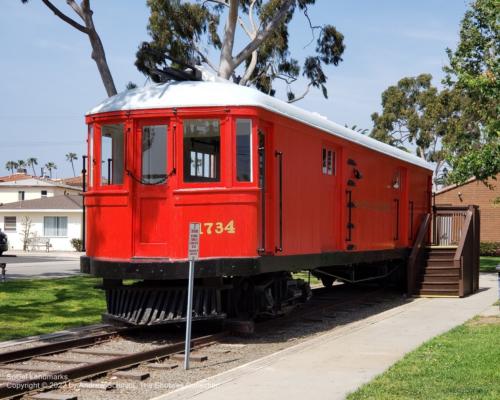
(440, 263)
(439, 278)
(444, 252)
(439, 286)
(442, 248)
(433, 270)
(437, 293)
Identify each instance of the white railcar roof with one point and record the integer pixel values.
(222, 94)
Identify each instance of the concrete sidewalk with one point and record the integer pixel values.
(334, 364)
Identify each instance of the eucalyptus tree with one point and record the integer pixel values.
(184, 32)
(474, 73)
(86, 26)
(417, 117)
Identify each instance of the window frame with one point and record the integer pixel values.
(328, 160)
(97, 178)
(57, 217)
(21, 195)
(167, 122)
(5, 223)
(253, 150)
(224, 154)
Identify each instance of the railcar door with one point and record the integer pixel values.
(150, 180)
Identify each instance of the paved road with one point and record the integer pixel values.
(35, 267)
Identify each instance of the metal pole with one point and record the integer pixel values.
(84, 189)
(189, 315)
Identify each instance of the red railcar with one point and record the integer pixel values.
(276, 189)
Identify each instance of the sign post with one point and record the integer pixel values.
(193, 253)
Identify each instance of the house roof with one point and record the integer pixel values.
(76, 181)
(219, 93)
(63, 202)
(35, 182)
(14, 177)
(454, 186)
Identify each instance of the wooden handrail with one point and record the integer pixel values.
(466, 256)
(416, 253)
(463, 236)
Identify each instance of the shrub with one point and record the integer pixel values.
(77, 244)
(489, 249)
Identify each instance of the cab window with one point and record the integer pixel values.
(202, 150)
(112, 154)
(244, 150)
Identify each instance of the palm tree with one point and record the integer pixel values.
(72, 157)
(50, 166)
(21, 165)
(31, 162)
(11, 166)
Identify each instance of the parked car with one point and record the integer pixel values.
(4, 243)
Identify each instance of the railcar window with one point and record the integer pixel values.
(55, 226)
(244, 150)
(328, 164)
(154, 154)
(201, 150)
(112, 153)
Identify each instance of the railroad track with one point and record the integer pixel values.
(45, 378)
(324, 305)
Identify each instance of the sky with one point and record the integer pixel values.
(49, 80)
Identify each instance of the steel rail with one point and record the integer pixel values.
(60, 346)
(56, 378)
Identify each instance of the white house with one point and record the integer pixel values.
(56, 219)
(27, 187)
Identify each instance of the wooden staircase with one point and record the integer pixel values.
(444, 261)
(439, 276)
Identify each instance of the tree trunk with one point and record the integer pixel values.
(98, 54)
(226, 66)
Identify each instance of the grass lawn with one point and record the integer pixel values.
(33, 307)
(304, 275)
(488, 264)
(460, 364)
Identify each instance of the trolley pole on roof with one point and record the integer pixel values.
(193, 253)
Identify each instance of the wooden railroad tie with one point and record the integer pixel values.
(192, 357)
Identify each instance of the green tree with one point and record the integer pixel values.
(31, 162)
(474, 73)
(182, 32)
(11, 166)
(50, 166)
(416, 115)
(72, 157)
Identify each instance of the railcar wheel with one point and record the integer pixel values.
(327, 281)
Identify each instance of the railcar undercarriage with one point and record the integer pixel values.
(163, 302)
